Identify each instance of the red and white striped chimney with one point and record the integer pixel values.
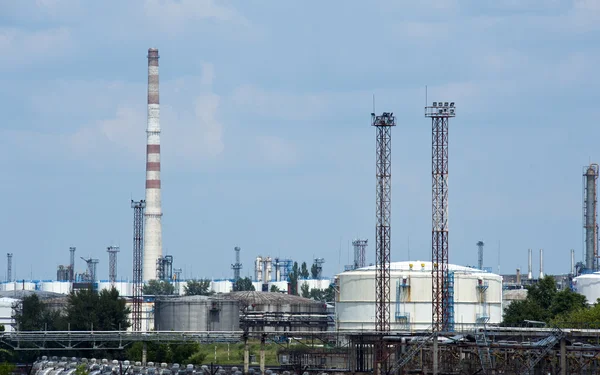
(153, 213)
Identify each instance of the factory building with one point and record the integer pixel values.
(476, 297)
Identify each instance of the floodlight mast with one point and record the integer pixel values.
(442, 310)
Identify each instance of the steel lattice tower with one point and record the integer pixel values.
(360, 259)
(383, 124)
(138, 252)
(442, 310)
(9, 266)
(237, 266)
(112, 264)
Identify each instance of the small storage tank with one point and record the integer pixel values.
(477, 297)
(221, 286)
(123, 287)
(588, 285)
(196, 313)
(321, 284)
(62, 287)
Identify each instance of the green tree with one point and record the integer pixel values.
(32, 314)
(274, 289)
(105, 311)
(304, 289)
(6, 368)
(293, 277)
(323, 295)
(304, 271)
(567, 301)
(158, 288)
(197, 288)
(244, 284)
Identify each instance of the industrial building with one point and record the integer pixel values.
(476, 297)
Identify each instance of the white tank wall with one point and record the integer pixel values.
(6, 311)
(355, 307)
(281, 285)
(18, 285)
(314, 284)
(589, 286)
(221, 286)
(123, 287)
(62, 287)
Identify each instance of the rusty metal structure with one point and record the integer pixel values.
(442, 308)
(138, 252)
(590, 216)
(383, 123)
(360, 259)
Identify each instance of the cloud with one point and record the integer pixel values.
(23, 48)
(174, 16)
(276, 150)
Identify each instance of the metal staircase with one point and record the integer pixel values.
(483, 349)
(414, 349)
(546, 346)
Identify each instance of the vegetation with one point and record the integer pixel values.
(304, 290)
(314, 271)
(244, 284)
(327, 295)
(304, 271)
(171, 353)
(158, 288)
(274, 289)
(545, 303)
(197, 288)
(293, 276)
(86, 309)
(6, 368)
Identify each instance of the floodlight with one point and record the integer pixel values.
(452, 111)
(440, 111)
(446, 104)
(452, 104)
(435, 104)
(391, 114)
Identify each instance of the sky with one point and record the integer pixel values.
(266, 136)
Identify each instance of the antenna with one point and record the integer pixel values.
(425, 95)
(373, 103)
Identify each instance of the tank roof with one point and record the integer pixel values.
(427, 266)
(20, 294)
(255, 297)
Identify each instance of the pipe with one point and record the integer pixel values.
(153, 214)
(529, 267)
(589, 216)
(541, 264)
(518, 276)
(572, 261)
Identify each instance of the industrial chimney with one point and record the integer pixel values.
(572, 261)
(589, 216)
(518, 276)
(541, 264)
(153, 213)
(529, 267)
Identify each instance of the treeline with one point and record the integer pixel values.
(545, 303)
(85, 310)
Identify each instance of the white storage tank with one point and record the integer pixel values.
(477, 297)
(281, 285)
(62, 287)
(123, 287)
(221, 286)
(588, 285)
(314, 284)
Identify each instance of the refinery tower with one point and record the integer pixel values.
(153, 213)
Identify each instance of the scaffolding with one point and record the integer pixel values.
(450, 302)
(402, 294)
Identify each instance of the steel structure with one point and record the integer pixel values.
(164, 268)
(360, 259)
(480, 255)
(9, 266)
(440, 113)
(138, 251)
(383, 123)
(237, 266)
(112, 263)
(91, 268)
(319, 267)
(72, 264)
(590, 216)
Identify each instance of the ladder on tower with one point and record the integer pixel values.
(404, 359)
(546, 346)
(483, 348)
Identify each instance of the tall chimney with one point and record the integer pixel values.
(541, 264)
(529, 267)
(589, 215)
(518, 276)
(153, 213)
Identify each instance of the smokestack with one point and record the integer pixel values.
(541, 264)
(572, 262)
(529, 267)
(518, 276)
(589, 216)
(153, 213)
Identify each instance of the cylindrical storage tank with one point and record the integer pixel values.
(62, 287)
(221, 286)
(281, 285)
(314, 284)
(123, 287)
(258, 285)
(589, 286)
(195, 313)
(477, 297)
(269, 312)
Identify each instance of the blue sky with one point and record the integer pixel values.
(267, 144)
